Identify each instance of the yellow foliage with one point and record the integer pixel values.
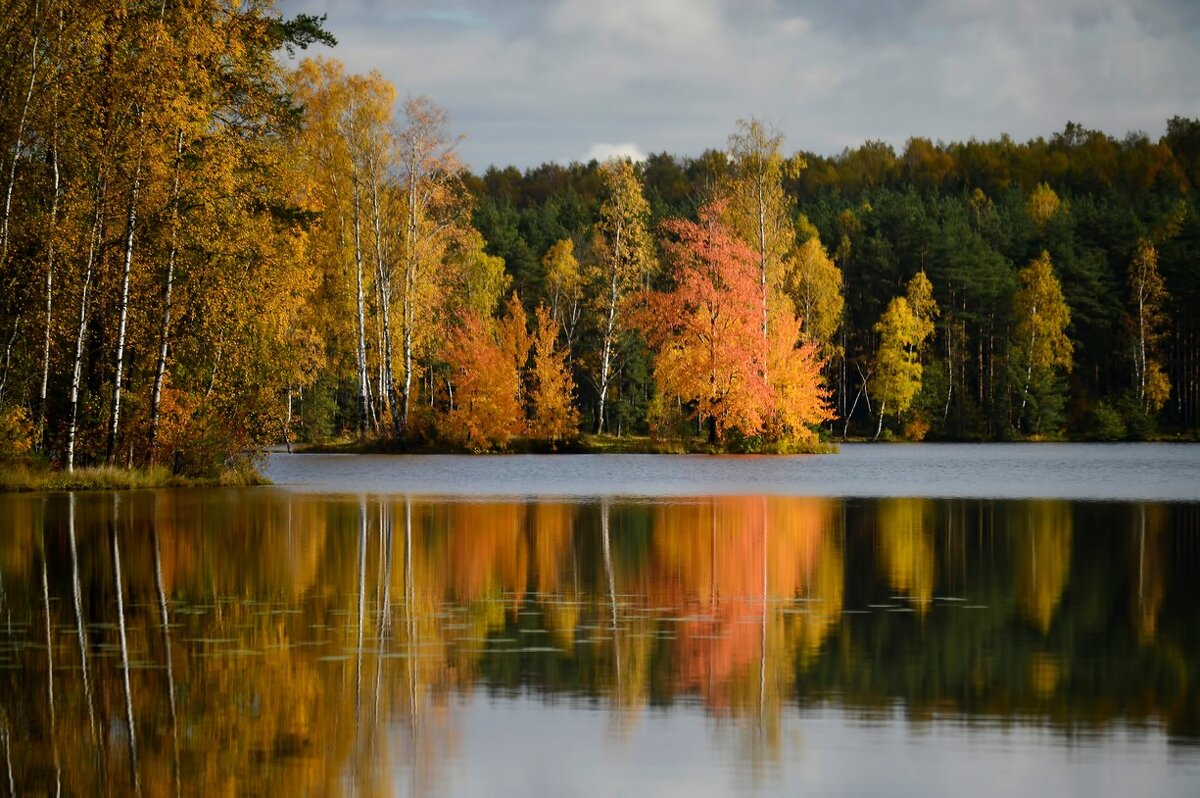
(1042, 539)
(16, 434)
(553, 416)
(815, 286)
(1042, 317)
(1043, 205)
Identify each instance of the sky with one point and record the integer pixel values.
(531, 81)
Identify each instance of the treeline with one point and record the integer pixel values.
(1104, 231)
(429, 338)
(203, 250)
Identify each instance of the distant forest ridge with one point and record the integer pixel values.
(204, 248)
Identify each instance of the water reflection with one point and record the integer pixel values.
(263, 642)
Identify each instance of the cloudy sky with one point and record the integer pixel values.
(530, 81)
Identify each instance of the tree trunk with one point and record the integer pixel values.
(762, 251)
(164, 331)
(862, 390)
(949, 371)
(385, 301)
(361, 350)
(879, 429)
(1139, 364)
(41, 422)
(12, 339)
(1029, 365)
(16, 152)
(607, 351)
(81, 334)
(410, 281)
(122, 324)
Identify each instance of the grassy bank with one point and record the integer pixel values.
(27, 477)
(586, 444)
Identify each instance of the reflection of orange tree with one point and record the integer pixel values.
(733, 569)
(555, 573)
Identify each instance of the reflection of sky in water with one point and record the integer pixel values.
(826, 750)
(1067, 470)
(699, 645)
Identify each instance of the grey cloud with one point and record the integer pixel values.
(530, 81)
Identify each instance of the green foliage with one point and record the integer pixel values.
(1105, 423)
(1139, 423)
(318, 411)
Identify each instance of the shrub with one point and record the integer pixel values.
(16, 435)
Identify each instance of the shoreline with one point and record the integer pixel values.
(26, 478)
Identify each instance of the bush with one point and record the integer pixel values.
(1105, 423)
(667, 421)
(1139, 425)
(16, 435)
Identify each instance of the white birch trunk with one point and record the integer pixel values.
(41, 423)
(1029, 365)
(362, 342)
(164, 330)
(122, 325)
(385, 301)
(410, 267)
(16, 151)
(81, 333)
(606, 352)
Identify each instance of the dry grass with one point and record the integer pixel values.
(23, 477)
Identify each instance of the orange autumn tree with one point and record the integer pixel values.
(485, 412)
(552, 417)
(800, 396)
(706, 332)
(512, 333)
(711, 352)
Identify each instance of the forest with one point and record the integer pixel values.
(210, 243)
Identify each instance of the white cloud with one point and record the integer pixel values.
(604, 152)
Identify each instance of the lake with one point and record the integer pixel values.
(899, 619)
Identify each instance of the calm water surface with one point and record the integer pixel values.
(582, 626)
(1165, 472)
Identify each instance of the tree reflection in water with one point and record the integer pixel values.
(267, 642)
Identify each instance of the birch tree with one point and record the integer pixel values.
(758, 207)
(434, 206)
(625, 255)
(1148, 297)
(1040, 340)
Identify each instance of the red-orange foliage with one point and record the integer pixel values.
(708, 337)
(707, 332)
(486, 412)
